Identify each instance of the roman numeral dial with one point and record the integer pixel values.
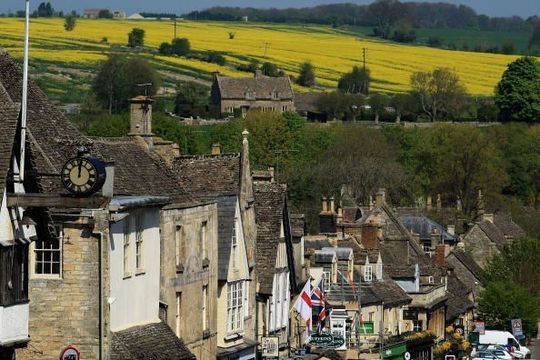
(83, 175)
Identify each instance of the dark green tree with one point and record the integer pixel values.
(355, 82)
(378, 103)
(306, 75)
(165, 48)
(105, 14)
(534, 39)
(70, 22)
(139, 71)
(110, 83)
(44, 10)
(136, 37)
(192, 99)
(403, 103)
(180, 46)
(270, 69)
(518, 93)
(215, 57)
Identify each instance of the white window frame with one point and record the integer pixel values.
(235, 312)
(127, 248)
(34, 261)
(285, 300)
(327, 279)
(368, 273)
(179, 245)
(277, 296)
(139, 243)
(246, 300)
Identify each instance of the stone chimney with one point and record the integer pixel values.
(440, 255)
(258, 74)
(480, 206)
(380, 197)
(370, 202)
(141, 116)
(216, 149)
(331, 207)
(272, 172)
(340, 215)
(451, 229)
(459, 206)
(429, 203)
(327, 218)
(435, 239)
(439, 202)
(324, 206)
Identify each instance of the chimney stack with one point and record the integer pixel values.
(451, 229)
(440, 255)
(271, 171)
(339, 215)
(459, 206)
(141, 116)
(488, 217)
(324, 205)
(380, 197)
(216, 149)
(439, 202)
(370, 236)
(331, 208)
(429, 203)
(108, 187)
(435, 239)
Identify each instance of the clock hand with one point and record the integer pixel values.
(80, 167)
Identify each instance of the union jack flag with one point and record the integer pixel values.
(318, 300)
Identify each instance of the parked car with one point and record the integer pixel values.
(503, 338)
(500, 354)
(484, 355)
(516, 354)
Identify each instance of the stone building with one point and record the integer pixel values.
(73, 288)
(260, 92)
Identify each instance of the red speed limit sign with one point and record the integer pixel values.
(70, 353)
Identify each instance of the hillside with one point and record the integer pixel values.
(67, 57)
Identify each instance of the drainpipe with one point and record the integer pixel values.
(100, 290)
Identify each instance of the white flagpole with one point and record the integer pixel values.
(24, 94)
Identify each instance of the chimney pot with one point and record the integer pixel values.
(216, 149)
(380, 198)
(439, 202)
(435, 239)
(429, 203)
(440, 255)
(324, 205)
(272, 172)
(332, 205)
(141, 116)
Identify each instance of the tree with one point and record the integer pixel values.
(136, 37)
(180, 46)
(306, 76)
(403, 103)
(513, 286)
(69, 22)
(44, 10)
(534, 39)
(378, 103)
(270, 69)
(440, 91)
(215, 57)
(518, 93)
(165, 48)
(105, 14)
(117, 79)
(459, 174)
(192, 99)
(385, 13)
(337, 105)
(355, 82)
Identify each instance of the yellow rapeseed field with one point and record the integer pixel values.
(331, 52)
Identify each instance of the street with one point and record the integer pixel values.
(535, 349)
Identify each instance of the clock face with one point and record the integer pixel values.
(83, 175)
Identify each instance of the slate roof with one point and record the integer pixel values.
(466, 259)
(493, 232)
(137, 171)
(377, 292)
(323, 256)
(226, 216)
(269, 207)
(508, 227)
(458, 302)
(307, 101)
(342, 253)
(235, 88)
(148, 342)
(424, 226)
(9, 116)
(390, 292)
(209, 176)
(316, 244)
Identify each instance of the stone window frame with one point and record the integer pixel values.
(204, 239)
(179, 248)
(234, 245)
(60, 250)
(139, 243)
(204, 309)
(368, 273)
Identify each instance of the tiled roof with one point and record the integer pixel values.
(137, 172)
(509, 228)
(493, 233)
(209, 175)
(466, 259)
(53, 139)
(153, 341)
(307, 101)
(342, 253)
(324, 256)
(269, 207)
(390, 292)
(226, 216)
(458, 302)
(263, 87)
(9, 115)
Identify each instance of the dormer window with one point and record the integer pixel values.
(250, 95)
(368, 273)
(275, 95)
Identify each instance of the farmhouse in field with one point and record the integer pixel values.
(260, 92)
(92, 13)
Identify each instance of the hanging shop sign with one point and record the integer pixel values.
(70, 353)
(327, 341)
(366, 328)
(270, 347)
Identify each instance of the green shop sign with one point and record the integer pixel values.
(365, 328)
(395, 351)
(327, 341)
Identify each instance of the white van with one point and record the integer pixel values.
(503, 338)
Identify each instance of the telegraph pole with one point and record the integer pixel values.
(174, 27)
(266, 45)
(364, 56)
